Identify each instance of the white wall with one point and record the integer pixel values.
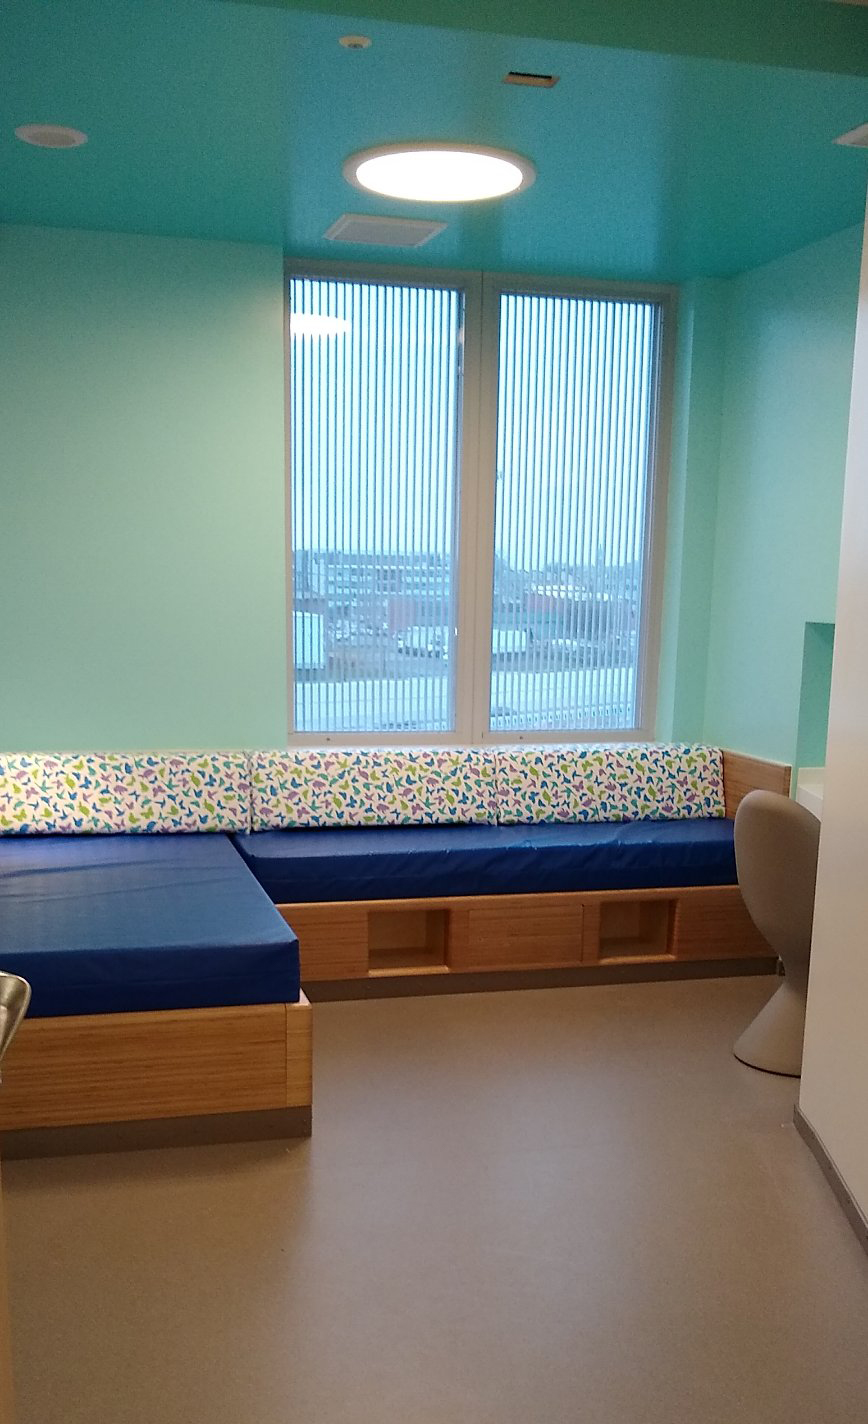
(834, 1092)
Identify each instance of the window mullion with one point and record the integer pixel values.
(480, 526)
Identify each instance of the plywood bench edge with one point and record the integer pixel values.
(743, 773)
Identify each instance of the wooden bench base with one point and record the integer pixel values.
(430, 945)
(497, 981)
(419, 939)
(141, 1068)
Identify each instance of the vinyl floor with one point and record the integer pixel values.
(566, 1206)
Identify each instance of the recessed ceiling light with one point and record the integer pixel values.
(50, 136)
(439, 172)
(355, 42)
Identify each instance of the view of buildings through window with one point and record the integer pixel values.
(376, 508)
(375, 416)
(574, 419)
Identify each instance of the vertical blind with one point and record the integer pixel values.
(575, 418)
(375, 416)
(375, 394)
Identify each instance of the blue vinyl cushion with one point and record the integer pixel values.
(406, 862)
(114, 924)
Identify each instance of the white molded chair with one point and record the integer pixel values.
(776, 847)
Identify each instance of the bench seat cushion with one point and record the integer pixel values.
(410, 862)
(123, 923)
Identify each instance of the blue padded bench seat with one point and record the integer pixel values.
(123, 923)
(418, 862)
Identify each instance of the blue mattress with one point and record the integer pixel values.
(114, 924)
(398, 862)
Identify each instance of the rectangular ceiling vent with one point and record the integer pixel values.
(383, 232)
(531, 81)
(856, 138)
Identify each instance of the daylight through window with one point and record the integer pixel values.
(575, 400)
(375, 416)
(398, 604)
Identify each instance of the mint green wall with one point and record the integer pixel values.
(142, 595)
(786, 397)
(692, 509)
(142, 532)
(816, 687)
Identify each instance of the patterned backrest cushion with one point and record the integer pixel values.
(114, 793)
(430, 786)
(111, 793)
(608, 783)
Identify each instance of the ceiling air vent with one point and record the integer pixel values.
(856, 138)
(383, 232)
(531, 81)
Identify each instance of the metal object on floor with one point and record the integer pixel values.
(776, 848)
(14, 999)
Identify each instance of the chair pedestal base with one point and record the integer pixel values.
(773, 1041)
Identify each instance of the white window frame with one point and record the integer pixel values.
(475, 505)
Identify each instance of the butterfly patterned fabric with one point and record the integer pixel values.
(430, 786)
(506, 785)
(608, 783)
(114, 793)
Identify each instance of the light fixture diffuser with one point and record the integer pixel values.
(50, 135)
(439, 172)
(854, 138)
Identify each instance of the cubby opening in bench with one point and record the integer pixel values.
(403, 940)
(636, 929)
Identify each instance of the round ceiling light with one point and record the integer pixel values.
(439, 172)
(50, 136)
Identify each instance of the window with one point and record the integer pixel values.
(375, 402)
(574, 423)
(470, 516)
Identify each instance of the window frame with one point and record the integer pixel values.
(475, 505)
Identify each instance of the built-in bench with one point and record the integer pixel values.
(407, 865)
(165, 985)
(134, 924)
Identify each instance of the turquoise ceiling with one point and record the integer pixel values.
(222, 120)
(802, 34)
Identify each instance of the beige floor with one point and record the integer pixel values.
(531, 1208)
